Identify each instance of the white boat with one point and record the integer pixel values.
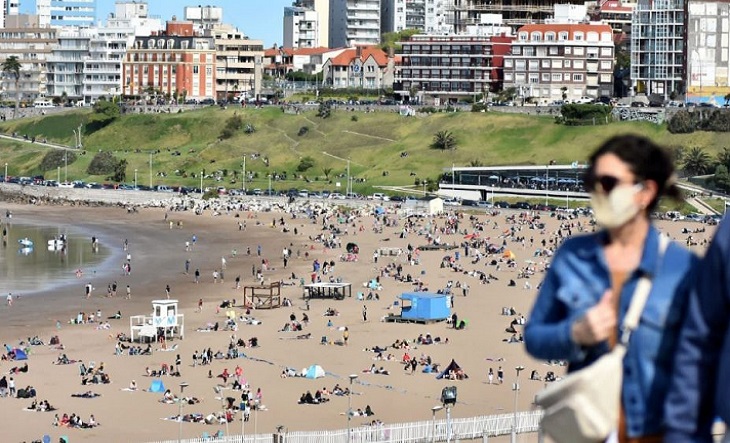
(56, 243)
(25, 250)
(25, 241)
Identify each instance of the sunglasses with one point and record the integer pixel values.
(607, 182)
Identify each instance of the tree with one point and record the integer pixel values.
(327, 171)
(697, 161)
(11, 67)
(391, 39)
(305, 164)
(721, 180)
(444, 140)
(723, 158)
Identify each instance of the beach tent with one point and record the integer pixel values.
(425, 306)
(453, 366)
(352, 248)
(20, 354)
(315, 371)
(157, 386)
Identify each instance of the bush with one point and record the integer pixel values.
(303, 130)
(428, 110)
(325, 110)
(717, 121)
(305, 163)
(354, 118)
(54, 159)
(103, 163)
(584, 114)
(682, 122)
(478, 107)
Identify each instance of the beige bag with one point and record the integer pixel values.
(584, 406)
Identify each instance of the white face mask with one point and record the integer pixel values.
(617, 207)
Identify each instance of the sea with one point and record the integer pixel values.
(27, 269)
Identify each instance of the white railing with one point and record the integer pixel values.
(414, 432)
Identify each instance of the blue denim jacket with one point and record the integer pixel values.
(700, 386)
(575, 282)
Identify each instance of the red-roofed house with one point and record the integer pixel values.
(546, 58)
(279, 61)
(367, 67)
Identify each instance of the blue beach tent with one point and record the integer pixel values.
(425, 306)
(157, 386)
(20, 354)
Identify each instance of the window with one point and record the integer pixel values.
(578, 36)
(563, 36)
(553, 50)
(568, 50)
(606, 78)
(534, 78)
(522, 37)
(577, 77)
(519, 65)
(508, 76)
(529, 51)
(208, 71)
(557, 64)
(508, 63)
(566, 77)
(579, 50)
(534, 65)
(578, 64)
(592, 36)
(557, 78)
(566, 63)
(545, 78)
(195, 69)
(550, 36)
(545, 64)
(536, 36)
(605, 65)
(150, 44)
(516, 50)
(606, 52)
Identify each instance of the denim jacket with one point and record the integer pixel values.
(575, 282)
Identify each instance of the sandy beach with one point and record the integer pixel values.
(158, 255)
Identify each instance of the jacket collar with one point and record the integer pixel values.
(649, 255)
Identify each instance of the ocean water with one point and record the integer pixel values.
(26, 270)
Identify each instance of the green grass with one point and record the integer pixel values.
(374, 144)
(718, 204)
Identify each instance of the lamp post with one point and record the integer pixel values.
(244, 405)
(547, 183)
(434, 410)
(150, 170)
(201, 183)
(243, 176)
(349, 408)
(269, 185)
(59, 174)
(135, 179)
(348, 187)
(5, 177)
(183, 385)
(516, 388)
(65, 170)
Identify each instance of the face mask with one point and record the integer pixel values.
(615, 208)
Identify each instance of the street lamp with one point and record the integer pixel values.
(150, 170)
(243, 176)
(516, 388)
(65, 163)
(220, 390)
(5, 177)
(448, 398)
(349, 408)
(434, 410)
(183, 385)
(201, 183)
(135, 179)
(348, 187)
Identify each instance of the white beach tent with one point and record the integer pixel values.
(435, 206)
(315, 371)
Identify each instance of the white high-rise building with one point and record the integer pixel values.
(3, 12)
(102, 67)
(134, 14)
(204, 17)
(354, 22)
(301, 28)
(427, 16)
(43, 11)
(61, 13)
(13, 7)
(65, 64)
(322, 8)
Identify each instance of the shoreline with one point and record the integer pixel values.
(158, 255)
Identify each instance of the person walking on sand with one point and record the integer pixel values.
(187, 266)
(197, 275)
(129, 293)
(346, 336)
(500, 375)
(490, 376)
(167, 291)
(200, 305)
(88, 290)
(364, 313)
(10, 299)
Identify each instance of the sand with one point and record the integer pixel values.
(158, 257)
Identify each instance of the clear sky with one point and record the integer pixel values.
(259, 19)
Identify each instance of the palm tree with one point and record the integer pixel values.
(723, 157)
(11, 67)
(444, 140)
(697, 161)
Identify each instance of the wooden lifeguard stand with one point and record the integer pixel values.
(262, 296)
(165, 317)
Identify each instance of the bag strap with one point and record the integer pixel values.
(641, 294)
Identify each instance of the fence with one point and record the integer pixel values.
(414, 432)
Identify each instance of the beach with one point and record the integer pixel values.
(156, 243)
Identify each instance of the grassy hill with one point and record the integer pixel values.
(373, 141)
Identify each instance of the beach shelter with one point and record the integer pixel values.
(435, 206)
(508, 255)
(425, 306)
(315, 371)
(453, 366)
(20, 354)
(157, 386)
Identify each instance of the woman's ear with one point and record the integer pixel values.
(649, 193)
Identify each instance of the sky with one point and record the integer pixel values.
(258, 19)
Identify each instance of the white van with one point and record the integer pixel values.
(43, 104)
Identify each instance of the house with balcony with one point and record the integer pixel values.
(557, 61)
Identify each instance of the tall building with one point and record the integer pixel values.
(13, 7)
(322, 8)
(60, 13)
(134, 14)
(24, 38)
(176, 62)
(301, 28)
(3, 12)
(66, 64)
(707, 51)
(426, 16)
(657, 47)
(463, 13)
(238, 62)
(102, 67)
(354, 22)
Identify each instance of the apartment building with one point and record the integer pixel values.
(463, 13)
(354, 22)
(658, 47)
(367, 67)
(238, 62)
(175, 62)
(204, 17)
(322, 8)
(438, 69)
(301, 28)
(708, 67)
(555, 61)
(24, 38)
(102, 68)
(66, 64)
(60, 13)
(134, 14)
(426, 16)
(3, 12)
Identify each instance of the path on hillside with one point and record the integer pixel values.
(368, 135)
(316, 125)
(37, 142)
(295, 143)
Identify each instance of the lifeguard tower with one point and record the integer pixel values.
(262, 296)
(165, 319)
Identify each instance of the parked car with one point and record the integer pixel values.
(638, 105)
